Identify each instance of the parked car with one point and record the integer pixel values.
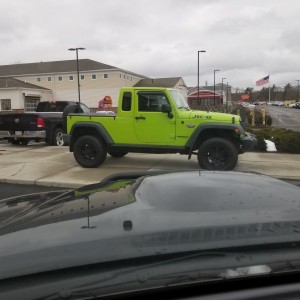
(297, 105)
(157, 120)
(248, 105)
(45, 124)
(160, 233)
(279, 103)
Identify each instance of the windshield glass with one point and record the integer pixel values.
(179, 100)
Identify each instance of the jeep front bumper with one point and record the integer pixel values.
(248, 142)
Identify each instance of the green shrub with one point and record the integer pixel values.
(286, 141)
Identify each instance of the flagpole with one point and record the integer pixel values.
(269, 92)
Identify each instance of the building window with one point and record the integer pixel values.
(81, 77)
(60, 78)
(105, 76)
(124, 76)
(120, 75)
(49, 78)
(94, 77)
(38, 79)
(5, 104)
(71, 77)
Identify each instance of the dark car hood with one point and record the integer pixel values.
(148, 216)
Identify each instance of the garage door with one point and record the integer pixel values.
(31, 103)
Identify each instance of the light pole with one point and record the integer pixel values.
(227, 96)
(200, 51)
(298, 91)
(222, 89)
(78, 84)
(215, 85)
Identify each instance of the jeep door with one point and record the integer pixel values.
(151, 124)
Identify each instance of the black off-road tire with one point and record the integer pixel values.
(57, 139)
(117, 153)
(89, 152)
(217, 154)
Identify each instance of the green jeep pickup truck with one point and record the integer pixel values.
(157, 120)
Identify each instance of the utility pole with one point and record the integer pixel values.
(77, 64)
(200, 51)
(215, 85)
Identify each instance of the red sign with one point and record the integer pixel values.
(245, 97)
(105, 103)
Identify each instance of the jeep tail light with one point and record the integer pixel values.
(40, 123)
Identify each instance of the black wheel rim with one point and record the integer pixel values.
(88, 152)
(217, 157)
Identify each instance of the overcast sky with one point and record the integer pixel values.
(245, 39)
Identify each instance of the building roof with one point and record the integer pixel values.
(53, 67)
(206, 94)
(9, 82)
(158, 82)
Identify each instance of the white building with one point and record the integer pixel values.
(18, 95)
(59, 79)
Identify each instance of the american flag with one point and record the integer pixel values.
(263, 81)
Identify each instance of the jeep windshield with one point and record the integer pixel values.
(179, 100)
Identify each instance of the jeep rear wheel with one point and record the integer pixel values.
(217, 154)
(89, 152)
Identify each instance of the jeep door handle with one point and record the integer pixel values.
(140, 118)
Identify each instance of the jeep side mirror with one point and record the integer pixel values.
(166, 108)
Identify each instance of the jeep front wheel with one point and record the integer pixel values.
(217, 154)
(89, 152)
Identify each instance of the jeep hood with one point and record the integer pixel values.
(209, 115)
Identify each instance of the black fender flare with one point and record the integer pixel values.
(203, 127)
(98, 127)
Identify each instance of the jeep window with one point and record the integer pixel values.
(179, 100)
(126, 102)
(152, 102)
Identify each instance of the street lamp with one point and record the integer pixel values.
(78, 84)
(202, 51)
(227, 96)
(222, 89)
(215, 85)
(298, 91)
